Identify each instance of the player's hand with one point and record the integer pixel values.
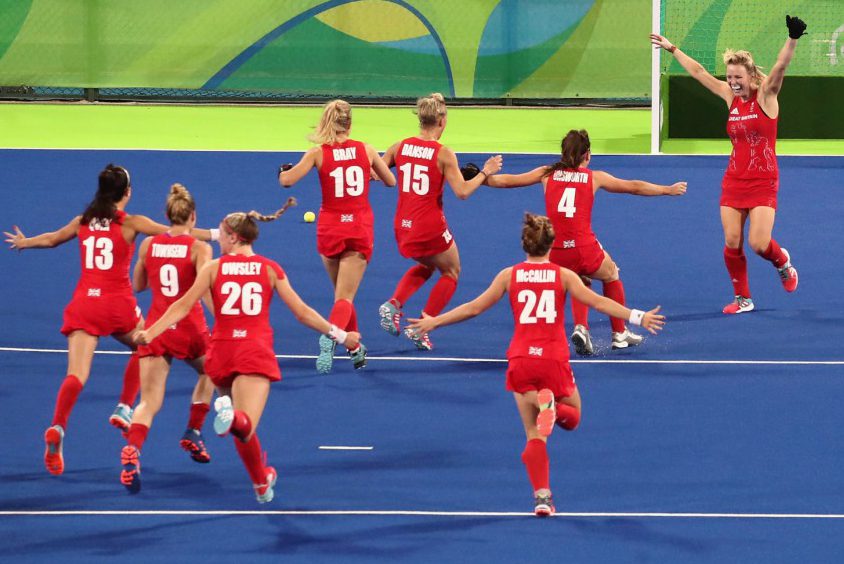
(796, 27)
(677, 189)
(422, 326)
(661, 42)
(16, 239)
(493, 165)
(142, 337)
(352, 340)
(285, 167)
(469, 171)
(652, 321)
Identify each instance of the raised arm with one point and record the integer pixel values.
(380, 167)
(773, 82)
(19, 241)
(486, 300)
(695, 69)
(610, 183)
(451, 170)
(291, 176)
(516, 180)
(650, 320)
(308, 316)
(139, 275)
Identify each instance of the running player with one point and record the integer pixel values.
(167, 264)
(103, 303)
(240, 360)
(751, 181)
(538, 373)
(345, 228)
(423, 165)
(570, 189)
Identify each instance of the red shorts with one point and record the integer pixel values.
(583, 260)
(227, 359)
(185, 342)
(341, 232)
(525, 374)
(749, 194)
(101, 316)
(427, 245)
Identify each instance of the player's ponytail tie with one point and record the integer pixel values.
(796, 27)
(291, 201)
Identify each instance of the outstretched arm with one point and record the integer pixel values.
(139, 275)
(465, 311)
(19, 241)
(451, 170)
(695, 69)
(650, 320)
(773, 82)
(517, 180)
(291, 176)
(610, 183)
(309, 317)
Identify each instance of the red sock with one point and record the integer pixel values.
(774, 254)
(352, 325)
(580, 313)
(241, 425)
(198, 411)
(412, 280)
(250, 454)
(737, 268)
(341, 313)
(66, 399)
(568, 416)
(137, 435)
(440, 295)
(535, 457)
(131, 381)
(615, 291)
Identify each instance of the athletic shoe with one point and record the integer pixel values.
(422, 342)
(788, 274)
(264, 492)
(582, 341)
(390, 316)
(547, 413)
(325, 359)
(626, 339)
(122, 417)
(130, 476)
(544, 505)
(225, 415)
(194, 444)
(358, 357)
(53, 459)
(740, 305)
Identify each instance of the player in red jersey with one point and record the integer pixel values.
(751, 181)
(167, 264)
(103, 303)
(240, 360)
(570, 188)
(538, 373)
(345, 228)
(423, 165)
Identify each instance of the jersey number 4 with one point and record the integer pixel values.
(246, 298)
(566, 205)
(534, 309)
(350, 179)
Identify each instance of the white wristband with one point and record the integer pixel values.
(337, 334)
(215, 234)
(636, 316)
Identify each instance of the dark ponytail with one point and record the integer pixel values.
(113, 184)
(573, 149)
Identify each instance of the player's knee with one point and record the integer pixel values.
(452, 272)
(732, 240)
(570, 422)
(759, 245)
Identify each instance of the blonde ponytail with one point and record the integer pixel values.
(336, 119)
(180, 205)
(430, 110)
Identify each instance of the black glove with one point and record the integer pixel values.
(469, 171)
(286, 166)
(796, 27)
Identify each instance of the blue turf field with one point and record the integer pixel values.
(717, 432)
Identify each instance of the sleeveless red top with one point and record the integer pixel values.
(344, 177)
(105, 257)
(568, 203)
(420, 183)
(242, 294)
(537, 297)
(754, 138)
(170, 274)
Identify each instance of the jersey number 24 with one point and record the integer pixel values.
(536, 309)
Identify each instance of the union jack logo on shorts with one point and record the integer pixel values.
(347, 218)
(407, 223)
(535, 351)
(568, 244)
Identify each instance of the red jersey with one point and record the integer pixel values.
(754, 138)
(170, 274)
(569, 197)
(419, 214)
(242, 294)
(105, 256)
(537, 297)
(344, 177)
